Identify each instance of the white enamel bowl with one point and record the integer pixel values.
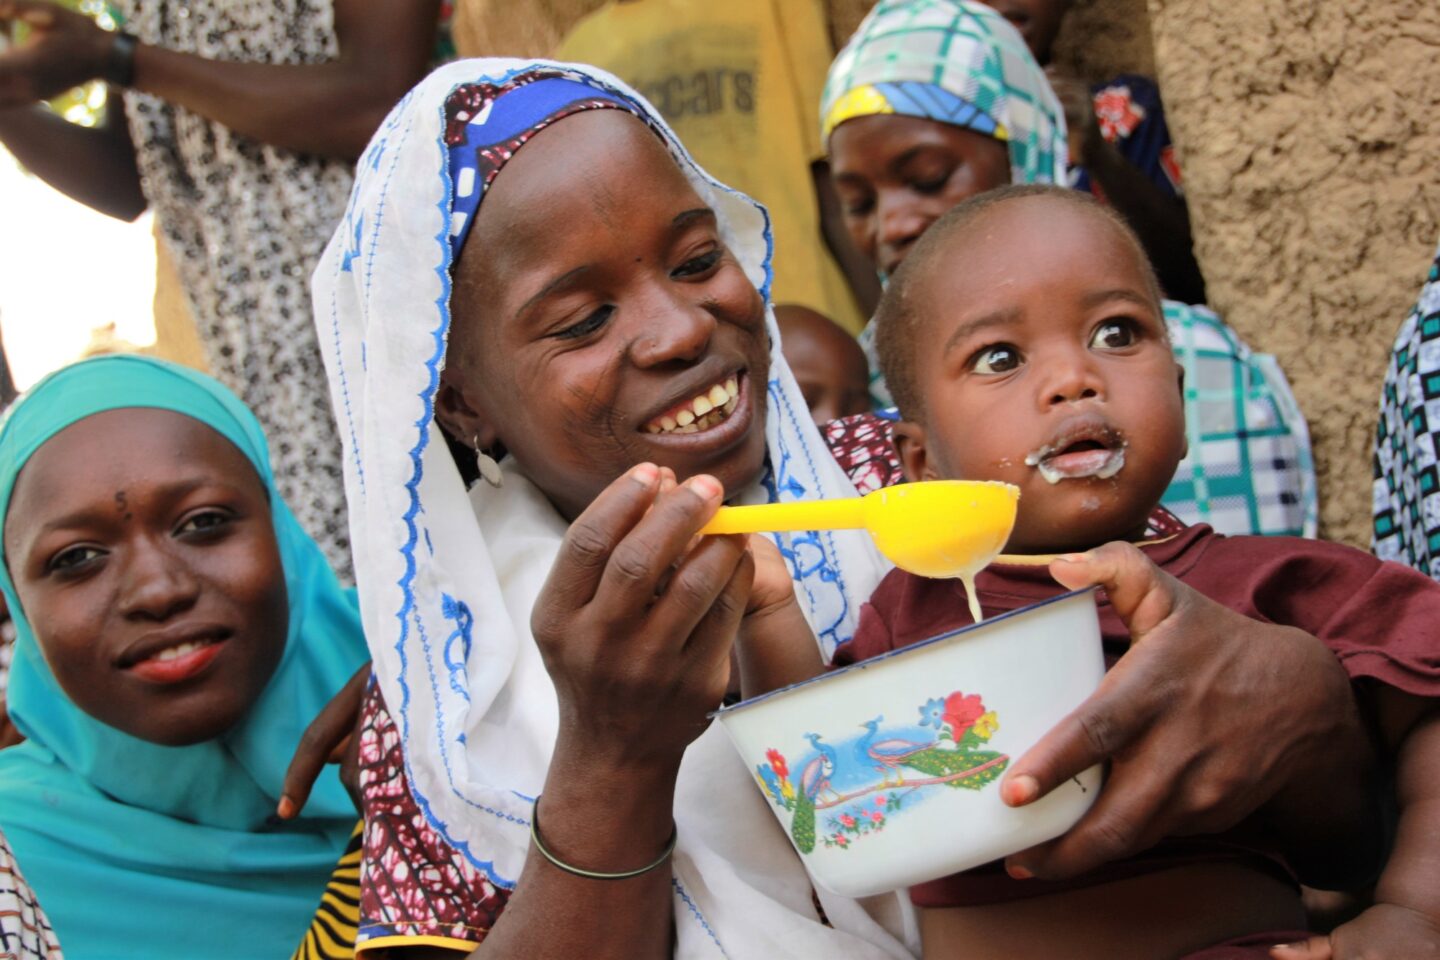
(886, 774)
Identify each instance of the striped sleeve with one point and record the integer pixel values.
(332, 933)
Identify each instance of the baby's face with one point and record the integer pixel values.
(1046, 365)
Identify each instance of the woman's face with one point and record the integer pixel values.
(142, 548)
(896, 175)
(599, 321)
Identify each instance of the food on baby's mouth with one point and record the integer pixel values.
(1089, 449)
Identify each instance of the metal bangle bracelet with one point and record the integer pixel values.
(120, 65)
(593, 874)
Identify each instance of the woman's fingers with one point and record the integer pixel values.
(1118, 712)
(1121, 822)
(711, 640)
(773, 586)
(1315, 948)
(696, 587)
(643, 559)
(589, 542)
(1125, 703)
(324, 741)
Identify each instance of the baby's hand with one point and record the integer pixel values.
(773, 587)
(776, 646)
(1384, 932)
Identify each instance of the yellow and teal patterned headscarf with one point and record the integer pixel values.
(954, 62)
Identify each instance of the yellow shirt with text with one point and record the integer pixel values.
(739, 81)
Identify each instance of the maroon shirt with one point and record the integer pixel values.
(1380, 619)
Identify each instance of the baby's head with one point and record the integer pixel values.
(827, 362)
(1023, 340)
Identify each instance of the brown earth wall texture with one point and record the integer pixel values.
(1309, 136)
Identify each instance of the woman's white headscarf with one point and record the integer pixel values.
(448, 578)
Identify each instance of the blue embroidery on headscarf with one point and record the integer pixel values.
(352, 249)
(808, 554)
(409, 609)
(459, 614)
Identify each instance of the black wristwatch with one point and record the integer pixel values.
(120, 65)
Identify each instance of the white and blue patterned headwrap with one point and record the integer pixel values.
(447, 578)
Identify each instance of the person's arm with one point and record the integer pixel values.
(332, 737)
(776, 645)
(636, 678)
(1210, 717)
(94, 165)
(635, 628)
(1405, 919)
(1161, 222)
(329, 108)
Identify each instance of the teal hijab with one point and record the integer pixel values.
(146, 851)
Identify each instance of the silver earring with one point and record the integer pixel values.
(489, 469)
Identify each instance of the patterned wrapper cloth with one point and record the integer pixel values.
(25, 932)
(1406, 504)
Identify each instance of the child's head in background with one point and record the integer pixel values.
(828, 363)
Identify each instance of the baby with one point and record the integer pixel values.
(1024, 342)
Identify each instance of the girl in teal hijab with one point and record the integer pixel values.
(134, 848)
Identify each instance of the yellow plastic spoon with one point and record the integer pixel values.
(933, 528)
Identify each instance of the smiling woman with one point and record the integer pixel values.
(563, 329)
(549, 639)
(176, 632)
(142, 540)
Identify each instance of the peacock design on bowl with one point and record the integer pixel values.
(851, 788)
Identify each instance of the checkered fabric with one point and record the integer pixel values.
(25, 931)
(1249, 469)
(1406, 508)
